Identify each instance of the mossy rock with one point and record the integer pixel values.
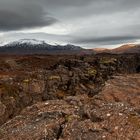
(108, 60)
(92, 72)
(54, 77)
(26, 81)
(70, 118)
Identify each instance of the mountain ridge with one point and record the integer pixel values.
(34, 46)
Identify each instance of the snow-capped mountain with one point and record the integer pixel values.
(28, 41)
(35, 46)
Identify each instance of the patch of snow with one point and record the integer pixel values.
(31, 41)
(28, 41)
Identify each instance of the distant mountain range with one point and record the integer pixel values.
(32, 46)
(128, 48)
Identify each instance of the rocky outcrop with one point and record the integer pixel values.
(123, 88)
(72, 98)
(82, 117)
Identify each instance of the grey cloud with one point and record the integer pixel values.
(83, 8)
(99, 22)
(12, 36)
(119, 4)
(16, 15)
(123, 34)
(106, 40)
(67, 3)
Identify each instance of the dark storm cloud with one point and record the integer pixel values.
(20, 14)
(17, 14)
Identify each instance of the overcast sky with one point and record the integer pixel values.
(89, 23)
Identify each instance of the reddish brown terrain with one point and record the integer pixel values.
(69, 97)
(101, 50)
(127, 48)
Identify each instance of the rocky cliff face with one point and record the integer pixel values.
(74, 97)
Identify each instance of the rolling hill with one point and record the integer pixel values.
(127, 48)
